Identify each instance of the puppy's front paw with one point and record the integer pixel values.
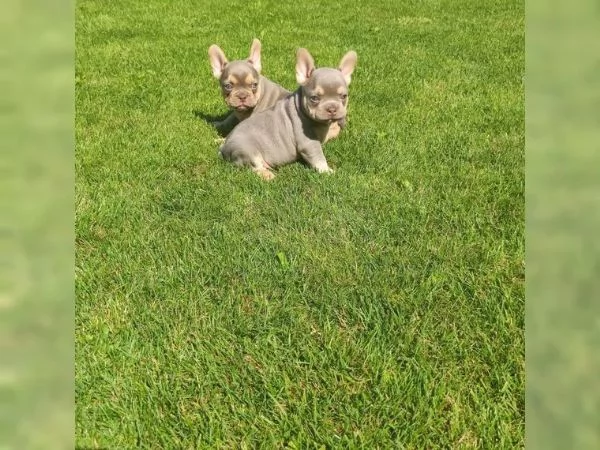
(325, 170)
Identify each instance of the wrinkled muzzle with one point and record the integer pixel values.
(329, 111)
(241, 99)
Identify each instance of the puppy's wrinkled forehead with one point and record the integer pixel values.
(331, 81)
(239, 72)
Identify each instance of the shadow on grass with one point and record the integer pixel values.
(210, 119)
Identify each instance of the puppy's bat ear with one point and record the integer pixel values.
(217, 59)
(254, 57)
(305, 64)
(347, 65)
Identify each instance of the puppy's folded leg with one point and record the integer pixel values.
(262, 169)
(334, 130)
(265, 174)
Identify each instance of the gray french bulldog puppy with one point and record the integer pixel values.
(297, 126)
(245, 91)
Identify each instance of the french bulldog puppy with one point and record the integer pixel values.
(297, 126)
(245, 91)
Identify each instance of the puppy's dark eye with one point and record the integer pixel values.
(254, 86)
(314, 98)
(343, 96)
(227, 86)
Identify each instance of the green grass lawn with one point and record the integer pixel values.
(379, 307)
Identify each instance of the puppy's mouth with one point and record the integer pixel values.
(329, 119)
(242, 105)
(328, 116)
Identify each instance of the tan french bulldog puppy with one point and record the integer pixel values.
(245, 91)
(297, 126)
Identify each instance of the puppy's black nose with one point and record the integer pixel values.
(242, 95)
(332, 109)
